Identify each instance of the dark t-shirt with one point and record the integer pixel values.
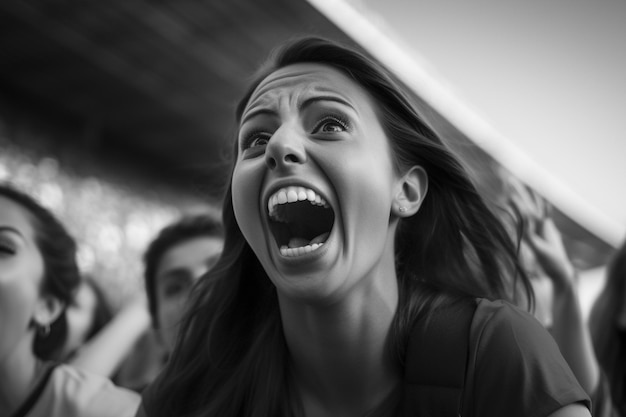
(515, 367)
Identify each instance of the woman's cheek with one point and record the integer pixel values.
(16, 308)
(246, 189)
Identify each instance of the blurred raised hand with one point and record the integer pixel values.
(545, 258)
(542, 236)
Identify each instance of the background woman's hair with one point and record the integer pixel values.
(61, 274)
(608, 335)
(231, 358)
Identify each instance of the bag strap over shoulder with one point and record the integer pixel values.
(436, 362)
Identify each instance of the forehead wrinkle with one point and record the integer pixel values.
(270, 103)
(267, 93)
(301, 96)
(303, 77)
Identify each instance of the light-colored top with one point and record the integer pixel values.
(71, 392)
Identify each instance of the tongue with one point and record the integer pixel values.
(320, 239)
(297, 242)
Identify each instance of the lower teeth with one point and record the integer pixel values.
(287, 251)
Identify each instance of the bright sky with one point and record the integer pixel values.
(547, 76)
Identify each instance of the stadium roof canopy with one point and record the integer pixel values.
(156, 83)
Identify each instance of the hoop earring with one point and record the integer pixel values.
(43, 330)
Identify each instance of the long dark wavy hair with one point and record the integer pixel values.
(61, 274)
(607, 333)
(231, 358)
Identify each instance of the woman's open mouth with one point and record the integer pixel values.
(300, 220)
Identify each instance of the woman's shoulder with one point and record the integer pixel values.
(504, 329)
(510, 348)
(503, 315)
(499, 306)
(76, 392)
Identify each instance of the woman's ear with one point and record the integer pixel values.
(47, 310)
(411, 192)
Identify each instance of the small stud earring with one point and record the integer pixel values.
(402, 209)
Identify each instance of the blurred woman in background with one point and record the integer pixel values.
(38, 279)
(174, 261)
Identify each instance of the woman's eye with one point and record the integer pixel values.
(331, 124)
(256, 139)
(7, 249)
(175, 289)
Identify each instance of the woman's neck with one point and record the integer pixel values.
(21, 368)
(338, 353)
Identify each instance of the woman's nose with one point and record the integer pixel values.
(285, 148)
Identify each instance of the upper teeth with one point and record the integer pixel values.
(291, 195)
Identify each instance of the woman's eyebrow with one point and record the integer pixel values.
(175, 274)
(312, 100)
(302, 106)
(256, 112)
